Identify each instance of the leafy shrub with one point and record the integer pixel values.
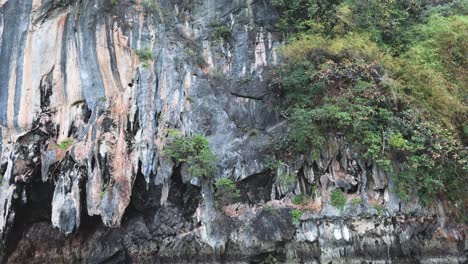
(436, 166)
(296, 215)
(312, 16)
(298, 199)
(65, 144)
(397, 141)
(220, 32)
(272, 163)
(104, 189)
(390, 76)
(314, 191)
(195, 56)
(447, 8)
(193, 150)
(304, 133)
(286, 179)
(151, 6)
(270, 209)
(379, 208)
(226, 191)
(338, 199)
(442, 46)
(356, 201)
(340, 90)
(190, 52)
(144, 54)
(389, 22)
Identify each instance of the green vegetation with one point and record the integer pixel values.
(307, 16)
(201, 61)
(193, 150)
(190, 52)
(356, 201)
(314, 191)
(390, 76)
(245, 79)
(270, 209)
(338, 199)
(103, 190)
(65, 144)
(145, 55)
(226, 191)
(286, 179)
(220, 32)
(151, 6)
(272, 163)
(380, 209)
(114, 2)
(296, 215)
(299, 199)
(195, 56)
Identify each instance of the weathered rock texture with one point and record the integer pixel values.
(84, 123)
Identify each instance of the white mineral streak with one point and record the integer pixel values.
(6, 190)
(65, 201)
(260, 50)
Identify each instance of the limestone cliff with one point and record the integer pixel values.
(84, 120)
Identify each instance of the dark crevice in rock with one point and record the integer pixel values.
(144, 196)
(46, 89)
(104, 168)
(256, 188)
(274, 257)
(259, 98)
(184, 195)
(37, 209)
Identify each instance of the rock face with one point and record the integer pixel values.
(84, 120)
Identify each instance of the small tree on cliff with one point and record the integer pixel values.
(226, 191)
(195, 151)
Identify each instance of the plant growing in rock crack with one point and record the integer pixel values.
(245, 80)
(379, 208)
(286, 179)
(338, 199)
(65, 144)
(272, 163)
(103, 190)
(200, 60)
(296, 215)
(145, 55)
(219, 32)
(193, 150)
(299, 199)
(270, 209)
(314, 191)
(195, 56)
(190, 52)
(151, 6)
(356, 201)
(226, 191)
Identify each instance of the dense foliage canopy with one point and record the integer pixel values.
(390, 76)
